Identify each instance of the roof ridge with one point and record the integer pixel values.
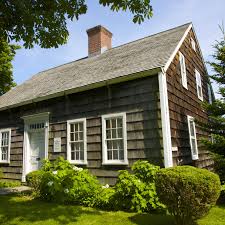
(86, 57)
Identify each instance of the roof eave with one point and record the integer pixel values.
(117, 80)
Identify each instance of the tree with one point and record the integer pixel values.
(7, 53)
(44, 22)
(216, 110)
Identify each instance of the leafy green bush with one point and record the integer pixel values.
(34, 180)
(188, 192)
(6, 183)
(63, 182)
(137, 192)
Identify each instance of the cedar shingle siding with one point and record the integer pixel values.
(138, 98)
(183, 102)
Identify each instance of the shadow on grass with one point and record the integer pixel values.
(12, 209)
(152, 219)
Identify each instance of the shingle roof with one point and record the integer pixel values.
(144, 54)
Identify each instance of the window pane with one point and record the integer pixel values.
(76, 126)
(194, 150)
(109, 155)
(121, 155)
(114, 133)
(81, 136)
(81, 127)
(72, 127)
(115, 154)
(192, 128)
(72, 155)
(120, 144)
(108, 134)
(119, 123)
(108, 124)
(120, 133)
(76, 136)
(81, 155)
(113, 123)
(72, 137)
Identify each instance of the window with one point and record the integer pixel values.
(192, 137)
(193, 45)
(77, 141)
(199, 85)
(114, 139)
(5, 141)
(209, 93)
(183, 70)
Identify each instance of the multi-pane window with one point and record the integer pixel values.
(5, 139)
(199, 85)
(183, 70)
(192, 137)
(77, 141)
(114, 138)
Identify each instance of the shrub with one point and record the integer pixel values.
(188, 192)
(221, 199)
(137, 192)
(34, 180)
(219, 166)
(63, 182)
(8, 183)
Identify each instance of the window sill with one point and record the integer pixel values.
(194, 158)
(4, 162)
(125, 163)
(78, 162)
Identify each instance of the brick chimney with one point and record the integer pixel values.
(99, 40)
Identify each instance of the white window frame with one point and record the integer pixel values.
(78, 162)
(183, 70)
(193, 44)
(194, 156)
(209, 93)
(199, 84)
(9, 145)
(105, 160)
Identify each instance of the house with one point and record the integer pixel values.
(103, 112)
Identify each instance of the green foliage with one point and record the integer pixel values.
(219, 166)
(63, 182)
(34, 180)
(7, 54)
(45, 22)
(1, 174)
(188, 192)
(221, 199)
(137, 192)
(8, 183)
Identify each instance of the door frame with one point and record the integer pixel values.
(40, 117)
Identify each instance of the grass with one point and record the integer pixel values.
(23, 210)
(6, 183)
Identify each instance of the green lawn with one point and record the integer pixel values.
(24, 210)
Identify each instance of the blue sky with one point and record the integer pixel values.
(205, 15)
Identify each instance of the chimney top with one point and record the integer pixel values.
(99, 40)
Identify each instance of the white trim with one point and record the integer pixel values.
(43, 117)
(9, 145)
(194, 157)
(193, 44)
(105, 161)
(177, 48)
(198, 79)
(183, 70)
(78, 162)
(165, 118)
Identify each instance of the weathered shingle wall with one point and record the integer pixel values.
(183, 102)
(138, 98)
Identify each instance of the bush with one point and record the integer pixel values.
(188, 192)
(63, 182)
(34, 180)
(137, 192)
(219, 167)
(221, 199)
(7, 183)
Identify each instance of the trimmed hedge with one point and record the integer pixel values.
(188, 192)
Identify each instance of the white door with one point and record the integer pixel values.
(37, 149)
